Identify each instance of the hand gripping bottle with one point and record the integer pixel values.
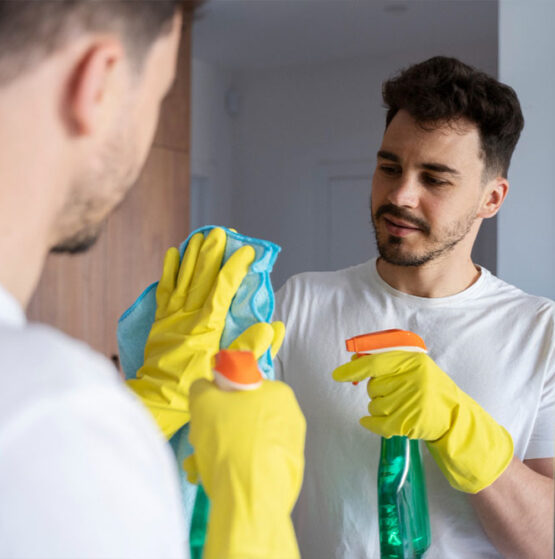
(233, 370)
(402, 500)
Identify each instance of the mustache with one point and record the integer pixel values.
(396, 211)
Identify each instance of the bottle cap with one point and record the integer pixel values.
(236, 370)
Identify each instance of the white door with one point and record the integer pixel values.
(343, 234)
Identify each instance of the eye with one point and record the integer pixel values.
(390, 170)
(434, 181)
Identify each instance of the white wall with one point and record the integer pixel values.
(302, 128)
(211, 146)
(526, 235)
(292, 121)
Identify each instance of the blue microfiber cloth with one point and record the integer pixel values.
(253, 302)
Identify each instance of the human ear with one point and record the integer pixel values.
(495, 193)
(91, 85)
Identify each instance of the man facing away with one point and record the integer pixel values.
(484, 398)
(83, 469)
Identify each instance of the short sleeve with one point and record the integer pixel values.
(542, 440)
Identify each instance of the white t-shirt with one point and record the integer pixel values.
(495, 342)
(84, 471)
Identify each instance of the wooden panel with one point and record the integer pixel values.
(84, 295)
(174, 126)
(155, 217)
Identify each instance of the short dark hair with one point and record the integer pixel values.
(31, 30)
(443, 89)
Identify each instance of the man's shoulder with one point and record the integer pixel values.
(503, 294)
(70, 431)
(49, 378)
(74, 438)
(41, 351)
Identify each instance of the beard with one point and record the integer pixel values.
(78, 243)
(393, 250)
(97, 192)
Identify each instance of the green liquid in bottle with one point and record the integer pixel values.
(402, 500)
(199, 521)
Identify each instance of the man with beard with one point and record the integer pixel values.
(484, 398)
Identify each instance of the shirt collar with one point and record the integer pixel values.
(414, 300)
(11, 312)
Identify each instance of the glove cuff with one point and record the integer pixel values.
(475, 451)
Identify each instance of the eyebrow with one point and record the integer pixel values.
(437, 167)
(388, 155)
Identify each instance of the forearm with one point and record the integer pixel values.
(516, 512)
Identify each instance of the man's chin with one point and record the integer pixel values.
(77, 244)
(393, 252)
(404, 259)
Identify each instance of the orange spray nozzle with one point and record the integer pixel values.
(385, 340)
(236, 370)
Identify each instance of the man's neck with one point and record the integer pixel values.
(440, 278)
(26, 215)
(22, 261)
(34, 179)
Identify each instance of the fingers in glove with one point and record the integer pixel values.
(166, 285)
(385, 386)
(206, 269)
(228, 281)
(353, 371)
(257, 339)
(380, 406)
(387, 421)
(395, 362)
(379, 425)
(186, 270)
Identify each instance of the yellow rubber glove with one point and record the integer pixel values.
(248, 453)
(260, 337)
(192, 301)
(411, 396)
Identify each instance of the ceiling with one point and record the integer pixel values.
(248, 34)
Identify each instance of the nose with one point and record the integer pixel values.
(404, 192)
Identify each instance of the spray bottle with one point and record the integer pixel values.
(233, 370)
(402, 500)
